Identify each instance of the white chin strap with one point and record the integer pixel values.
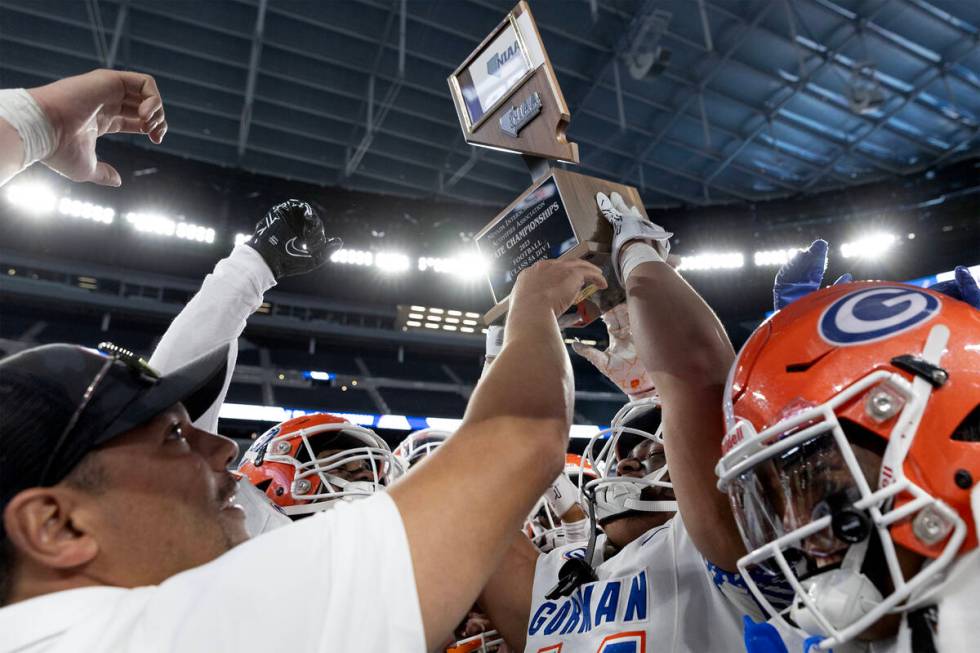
(841, 596)
(612, 499)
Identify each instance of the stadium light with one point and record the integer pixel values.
(161, 225)
(151, 223)
(872, 246)
(772, 257)
(435, 318)
(317, 375)
(391, 262)
(352, 257)
(466, 266)
(86, 210)
(33, 198)
(712, 261)
(242, 238)
(189, 231)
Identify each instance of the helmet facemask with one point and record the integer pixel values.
(614, 493)
(324, 461)
(488, 642)
(812, 503)
(414, 448)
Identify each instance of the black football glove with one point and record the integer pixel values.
(291, 239)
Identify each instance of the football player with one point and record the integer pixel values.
(672, 585)
(851, 460)
(632, 492)
(306, 464)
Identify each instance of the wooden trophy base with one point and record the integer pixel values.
(557, 217)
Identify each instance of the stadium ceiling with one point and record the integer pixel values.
(760, 98)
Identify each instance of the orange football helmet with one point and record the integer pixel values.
(852, 413)
(307, 463)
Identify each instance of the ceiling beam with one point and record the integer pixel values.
(253, 71)
(374, 118)
(793, 91)
(734, 16)
(928, 78)
(98, 31)
(122, 15)
(693, 93)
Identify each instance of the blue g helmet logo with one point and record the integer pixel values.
(875, 314)
(258, 449)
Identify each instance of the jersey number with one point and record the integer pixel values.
(631, 642)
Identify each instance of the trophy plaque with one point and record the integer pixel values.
(507, 98)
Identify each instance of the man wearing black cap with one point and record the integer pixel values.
(119, 519)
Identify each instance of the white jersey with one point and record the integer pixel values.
(656, 594)
(340, 580)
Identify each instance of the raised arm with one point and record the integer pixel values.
(684, 348)
(464, 504)
(59, 123)
(235, 289)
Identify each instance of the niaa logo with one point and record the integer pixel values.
(874, 314)
(498, 60)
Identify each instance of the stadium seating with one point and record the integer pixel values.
(324, 398)
(423, 402)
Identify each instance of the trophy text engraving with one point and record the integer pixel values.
(517, 117)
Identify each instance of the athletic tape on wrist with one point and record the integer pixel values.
(576, 532)
(562, 495)
(636, 253)
(22, 111)
(495, 340)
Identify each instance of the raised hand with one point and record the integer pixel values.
(85, 107)
(557, 284)
(291, 239)
(619, 362)
(962, 287)
(629, 225)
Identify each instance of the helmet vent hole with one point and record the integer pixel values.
(969, 428)
(804, 366)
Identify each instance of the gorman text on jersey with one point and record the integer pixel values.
(621, 601)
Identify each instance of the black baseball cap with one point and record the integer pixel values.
(58, 402)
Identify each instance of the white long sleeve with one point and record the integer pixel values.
(214, 316)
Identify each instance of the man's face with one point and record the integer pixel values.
(354, 470)
(645, 457)
(168, 501)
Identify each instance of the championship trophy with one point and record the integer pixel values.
(507, 98)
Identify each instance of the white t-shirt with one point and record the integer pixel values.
(656, 594)
(341, 580)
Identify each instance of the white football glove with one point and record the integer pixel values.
(619, 362)
(629, 225)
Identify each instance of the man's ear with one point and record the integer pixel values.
(43, 525)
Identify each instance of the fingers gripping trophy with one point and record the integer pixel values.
(507, 98)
